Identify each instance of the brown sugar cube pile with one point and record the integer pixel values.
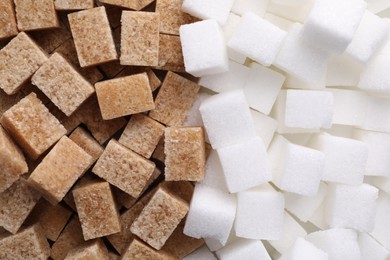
(30, 243)
(139, 38)
(60, 169)
(91, 28)
(97, 211)
(16, 203)
(142, 134)
(185, 157)
(129, 4)
(13, 164)
(89, 250)
(36, 14)
(170, 56)
(124, 168)
(73, 4)
(65, 87)
(159, 218)
(19, 59)
(154, 81)
(139, 250)
(36, 130)
(7, 20)
(83, 139)
(124, 96)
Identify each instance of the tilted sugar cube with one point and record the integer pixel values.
(265, 126)
(203, 9)
(375, 77)
(245, 249)
(304, 250)
(371, 249)
(382, 225)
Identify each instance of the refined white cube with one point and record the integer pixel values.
(371, 249)
(377, 114)
(204, 9)
(265, 126)
(245, 249)
(343, 71)
(376, 78)
(304, 250)
(228, 30)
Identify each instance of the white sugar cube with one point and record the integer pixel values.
(228, 30)
(332, 24)
(304, 250)
(376, 78)
(382, 225)
(202, 253)
(338, 243)
(343, 70)
(245, 165)
(204, 9)
(227, 119)
(377, 114)
(215, 245)
(244, 249)
(249, 39)
(214, 176)
(371, 249)
(204, 49)
(351, 207)
(259, 214)
(258, 7)
(211, 214)
(265, 126)
(345, 158)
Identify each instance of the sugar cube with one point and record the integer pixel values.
(343, 70)
(138, 249)
(304, 250)
(8, 21)
(201, 253)
(241, 7)
(265, 126)
(73, 4)
(214, 176)
(371, 249)
(375, 78)
(92, 250)
(83, 139)
(217, 10)
(170, 54)
(245, 248)
(35, 15)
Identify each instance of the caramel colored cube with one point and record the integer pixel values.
(174, 100)
(154, 81)
(16, 203)
(185, 157)
(7, 101)
(159, 218)
(35, 14)
(139, 250)
(91, 28)
(124, 96)
(142, 134)
(114, 14)
(19, 59)
(139, 38)
(51, 39)
(89, 250)
(170, 56)
(33, 127)
(7, 20)
(60, 169)
(13, 164)
(73, 4)
(97, 211)
(124, 168)
(83, 139)
(183, 189)
(129, 4)
(29, 243)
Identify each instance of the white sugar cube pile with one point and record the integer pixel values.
(295, 103)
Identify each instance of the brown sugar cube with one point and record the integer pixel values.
(13, 164)
(170, 56)
(16, 203)
(91, 28)
(154, 81)
(65, 87)
(60, 169)
(174, 100)
(52, 218)
(35, 14)
(83, 139)
(124, 168)
(19, 59)
(51, 39)
(36, 130)
(185, 157)
(139, 250)
(114, 14)
(142, 134)
(86, 179)
(171, 16)
(112, 68)
(69, 238)
(7, 20)
(159, 218)
(73, 4)
(139, 38)
(183, 189)
(124, 96)
(89, 250)
(29, 243)
(97, 211)
(158, 153)
(129, 4)
(7, 101)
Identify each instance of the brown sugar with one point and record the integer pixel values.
(185, 157)
(97, 211)
(183, 189)
(139, 250)
(170, 56)
(35, 14)
(69, 122)
(159, 218)
(60, 169)
(124, 168)
(36, 130)
(114, 14)
(91, 28)
(174, 100)
(73, 4)
(158, 153)
(89, 250)
(29, 87)
(19, 59)
(124, 96)
(83, 139)
(129, 4)
(112, 68)
(87, 178)
(51, 39)
(139, 38)
(142, 134)
(29, 243)
(154, 81)
(7, 20)
(13, 164)
(7, 101)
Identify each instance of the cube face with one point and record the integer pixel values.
(347, 107)
(92, 250)
(124, 169)
(138, 249)
(159, 218)
(87, 142)
(139, 38)
(124, 96)
(20, 59)
(303, 249)
(248, 39)
(170, 56)
(142, 134)
(374, 78)
(7, 22)
(60, 169)
(73, 4)
(244, 248)
(130, 4)
(65, 87)
(82, 24)
(34, 15)
(35, 131)
(218, 10)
